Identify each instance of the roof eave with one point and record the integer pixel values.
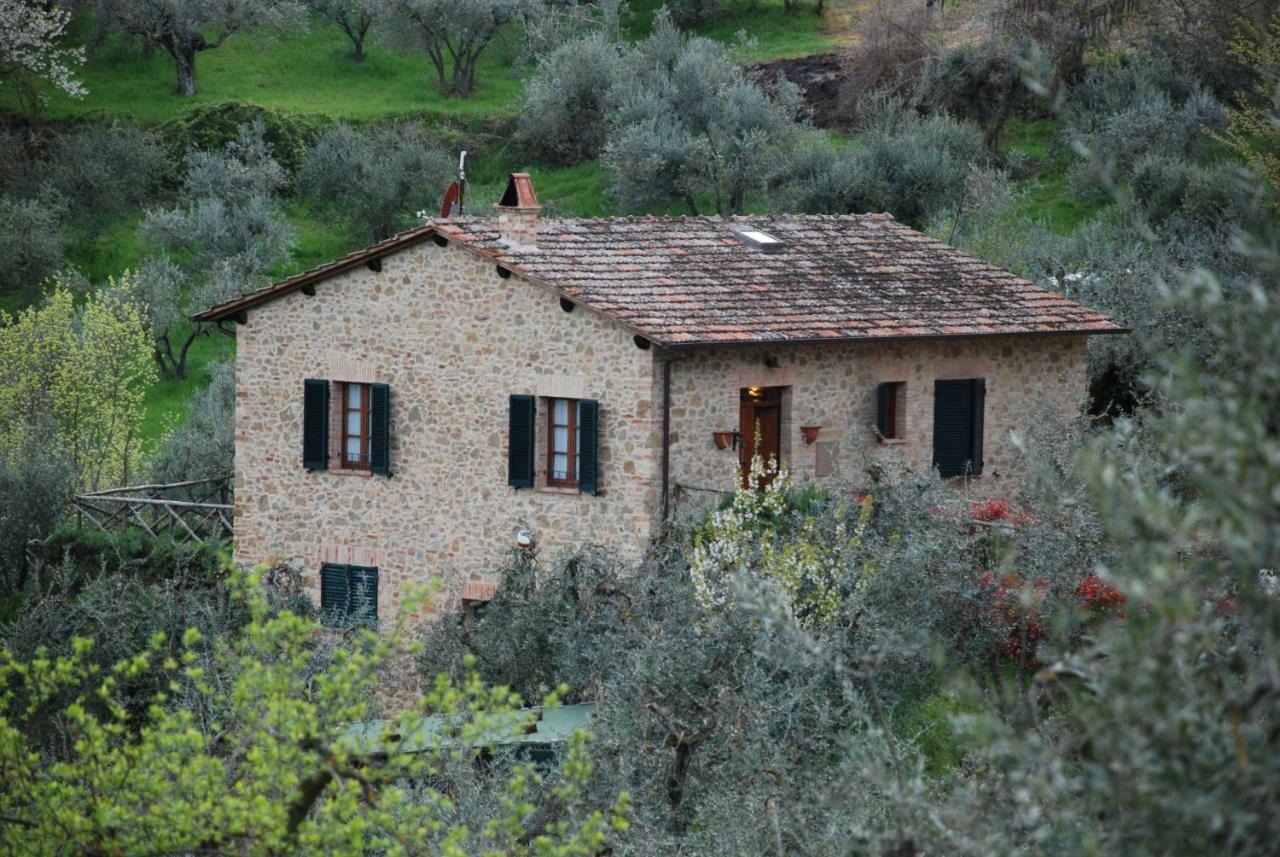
(866, 340)
(230, 309)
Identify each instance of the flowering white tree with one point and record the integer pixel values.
(764, 533)
(31, 48)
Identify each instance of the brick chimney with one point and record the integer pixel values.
(518, 212)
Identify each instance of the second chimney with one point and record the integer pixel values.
(518, 212)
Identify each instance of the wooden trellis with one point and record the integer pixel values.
(199, 510)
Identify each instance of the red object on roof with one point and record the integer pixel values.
(706, 280)
(450, 200)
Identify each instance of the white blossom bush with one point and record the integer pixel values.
(767, 531)
(31, 48)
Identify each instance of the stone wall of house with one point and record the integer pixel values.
(453, 340)
(834, 387)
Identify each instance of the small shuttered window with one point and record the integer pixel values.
(890, 410)
(522, 414)
(348, 596)
(958, 416)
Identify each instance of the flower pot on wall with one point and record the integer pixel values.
(810, 433)
(722, 439)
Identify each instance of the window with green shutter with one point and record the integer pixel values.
(380, 429)
(315, 424)
(589, 446)
(522, 414)
(958, 416)
(348, 596)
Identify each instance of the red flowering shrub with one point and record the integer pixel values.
(992, 510)
(1101, 596)
(997, 510)
(1016, 623)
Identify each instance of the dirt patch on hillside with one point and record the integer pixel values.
(820, 79)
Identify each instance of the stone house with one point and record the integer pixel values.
(402, 413)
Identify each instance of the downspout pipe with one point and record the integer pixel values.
(666, 433)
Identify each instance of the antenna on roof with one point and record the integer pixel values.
(462, 179)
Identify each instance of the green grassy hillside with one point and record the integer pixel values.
(310, 72)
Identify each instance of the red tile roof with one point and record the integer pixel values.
(692, 281)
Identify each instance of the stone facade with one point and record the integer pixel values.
(833, 387)
(453, 339)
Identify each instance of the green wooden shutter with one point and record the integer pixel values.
(883, 392)
(953, 426)
(335, 594)
(589, 446)
(979, 399)
(315, 424)
(522, 416)
(363, 583)
(380, 429)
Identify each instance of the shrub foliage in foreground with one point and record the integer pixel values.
(1088, 668)
(279, 771)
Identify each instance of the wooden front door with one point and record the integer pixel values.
(760, 423)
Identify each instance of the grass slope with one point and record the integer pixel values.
(311, 71)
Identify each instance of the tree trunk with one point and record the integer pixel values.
(358, 53)
(185, 58)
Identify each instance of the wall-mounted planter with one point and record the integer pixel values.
(722, 438)
(810, 433)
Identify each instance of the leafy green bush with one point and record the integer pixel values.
(31, 242)
(240, 742)
(212, 127)
(980, 83)
(204, 445)
(34, 486)
(568, 100)
(105, 171)
(912, 166)
(376, 181)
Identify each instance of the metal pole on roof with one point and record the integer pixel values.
(462, 180)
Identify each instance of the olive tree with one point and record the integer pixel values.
(105, 172)
(31, 240)
(375, 181)
(455, 33)
(204, 445)
(224, 235)
(186, 28)
(569, 100)
(914, 167)
(690, 127)
(353, 17)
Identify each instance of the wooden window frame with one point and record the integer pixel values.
(894, 427)
(344, 410)
(571, 452)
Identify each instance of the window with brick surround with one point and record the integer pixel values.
(354, 453)
(563, 442)
(891, 410)
(348, 596)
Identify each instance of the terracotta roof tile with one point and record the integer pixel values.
(691, 280)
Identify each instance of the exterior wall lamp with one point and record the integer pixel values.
(725, 439)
